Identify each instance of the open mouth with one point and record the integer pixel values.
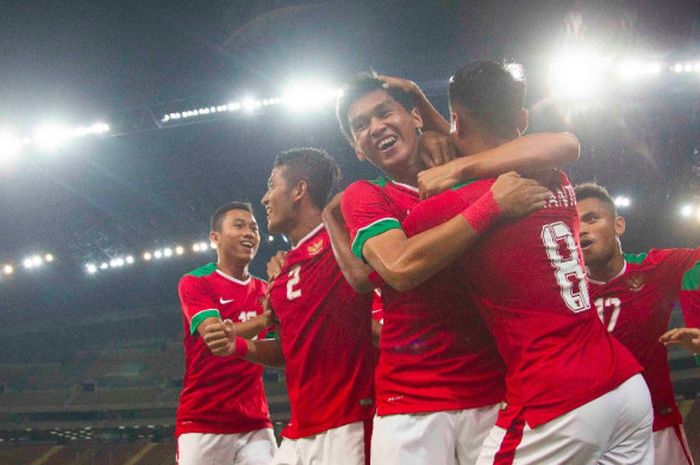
(586, 243)
(248, 244)
(386, 143)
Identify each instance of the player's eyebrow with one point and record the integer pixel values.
(589, 216)
(381, 106)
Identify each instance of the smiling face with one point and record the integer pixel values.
(385, 133)
(238, 237)
(279, 202)
(600, 231)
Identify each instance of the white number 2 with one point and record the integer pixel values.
(601, 304)
(567, 269)
(293, 281)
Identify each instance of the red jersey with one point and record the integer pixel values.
(220, 395)
(436, 354)
(528, 282)
(377, 306)
(635, 307)
(690, 297)
(326, 340)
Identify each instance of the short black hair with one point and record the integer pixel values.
(360, 85)
(320, 171)
(591, 190)
(217, 217)
(490, 92)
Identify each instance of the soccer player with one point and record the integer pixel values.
(325, 339)
(222, 416)
(439, 378)
(573, 393)
(633, 296)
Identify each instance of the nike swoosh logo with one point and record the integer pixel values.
(224, 302)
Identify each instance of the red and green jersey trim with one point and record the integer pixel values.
(372, 230)
(691, 278)
(201, 316)
(635, 258)
(205, 270)
(462, 184)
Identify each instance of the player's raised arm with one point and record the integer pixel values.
(354, 270)
(526, 154)
(404, 263)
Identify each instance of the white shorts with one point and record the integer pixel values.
(671, 446)
(344, 445)
(438, 438)
(251, 448)
(614, 429)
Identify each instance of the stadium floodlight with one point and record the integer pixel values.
(250, 104)
(212, 246)
(305, 95)
(195, 247)
(129, 260)
(51, 136)
(516, 70)
(48, 257)
(8, 269)
(270, 238)
(158, 254)
(576, 75)
(104, 265)
(687, 211)
(622, 201)
(179, 250)
(633, 70)
(167, 252)
(9, 148)
(91, 268)
(147, 256)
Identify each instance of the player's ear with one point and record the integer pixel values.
(417, 118)
(458, 125)
(359, 153)
(214, 237)
(619, 225)
(300, 190)
(523, 120)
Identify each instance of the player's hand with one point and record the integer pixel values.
(688, 338)
(332, 212)
(220, 337)
(268, 315)
(274, 266)
(434, 149)
(518, 196)
(399, 83)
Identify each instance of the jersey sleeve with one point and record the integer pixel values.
(197, 301)
(443, 207)
(677, 267)
(368, 212)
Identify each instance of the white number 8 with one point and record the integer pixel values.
(566, 268)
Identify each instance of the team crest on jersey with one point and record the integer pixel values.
(315, 248)
(636, 282)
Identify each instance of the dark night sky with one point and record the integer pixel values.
(81, 61)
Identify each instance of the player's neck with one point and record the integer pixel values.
(233, 268)
(306, 223)
(405, 176)
(483, 142)
(608, 270)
